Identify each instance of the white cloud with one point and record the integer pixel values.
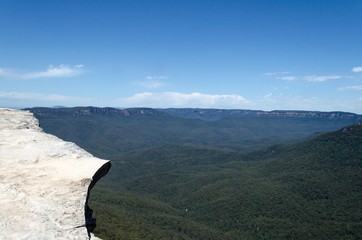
(274, 73)
(267, 102)
(5, 72)
(268, 95)
(314, 78)
(55, 72)
(357, 69)
(2, 72)
(176, 99)
(285, 102)
(152, 82)
(156, 77)
(28, 96)
(52, 72)
(288, 78)
(353, 88)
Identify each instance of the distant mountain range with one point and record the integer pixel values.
(122, 130)
(216, 114)
(196, 113)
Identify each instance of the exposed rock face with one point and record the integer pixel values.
(216, 114)
(88, 111)
(44, 182)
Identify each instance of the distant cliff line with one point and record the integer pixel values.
(195, 113)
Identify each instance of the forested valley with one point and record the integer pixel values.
(207, 174)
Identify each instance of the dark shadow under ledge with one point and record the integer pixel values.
(90, 222)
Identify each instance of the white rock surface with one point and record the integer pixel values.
(43, 181)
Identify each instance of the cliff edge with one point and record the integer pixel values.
(44, 182)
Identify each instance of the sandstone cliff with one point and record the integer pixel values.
(44, 182)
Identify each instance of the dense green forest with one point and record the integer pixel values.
(195, 182)
(309, 190)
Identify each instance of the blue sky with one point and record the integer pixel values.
(257, 54)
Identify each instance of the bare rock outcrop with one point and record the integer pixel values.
(44, 182)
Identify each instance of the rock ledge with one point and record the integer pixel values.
(44, 182)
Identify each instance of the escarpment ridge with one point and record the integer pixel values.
(44, 182)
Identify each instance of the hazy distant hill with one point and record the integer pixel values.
(216, 114)
(184, 178)
(110, 131)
